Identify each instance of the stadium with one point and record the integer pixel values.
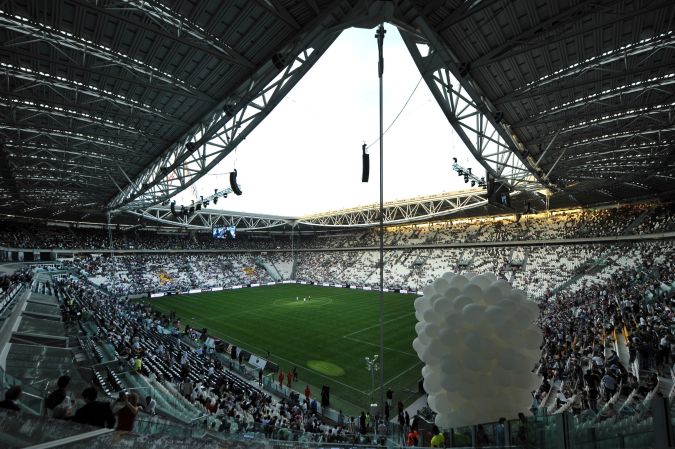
(527, 305)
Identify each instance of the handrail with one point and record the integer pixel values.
(71, 439)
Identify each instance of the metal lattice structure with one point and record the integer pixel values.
(118, 105)
(207, 219)
(398, 212)
(395, 212)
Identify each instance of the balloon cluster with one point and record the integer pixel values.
(478, 340)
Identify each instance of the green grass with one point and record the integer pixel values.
(327, 338)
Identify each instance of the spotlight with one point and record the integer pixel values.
(198, 206)
(466, 179)
(192, 210)
(454, 160)
(460, 172)
(473, 183)
(215, 196)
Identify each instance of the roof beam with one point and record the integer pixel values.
(476, 122)
(218, 133)
(30, 31)
(199, 38)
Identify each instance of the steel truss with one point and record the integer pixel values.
(206, 219)
(218, 135)
(400, 212)
(395, 213)
(477, 122)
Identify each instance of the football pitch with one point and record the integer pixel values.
(326, 338)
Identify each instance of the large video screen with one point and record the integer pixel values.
(225, 232)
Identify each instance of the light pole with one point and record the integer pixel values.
(373, 366)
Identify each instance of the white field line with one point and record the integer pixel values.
(378, 325)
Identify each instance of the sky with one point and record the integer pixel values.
(305, 157)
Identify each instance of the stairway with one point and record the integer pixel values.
(271, 270)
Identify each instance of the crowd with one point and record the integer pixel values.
(536, 269)
(636, 219)
(586, 328)
(133, 274)
(10, 284)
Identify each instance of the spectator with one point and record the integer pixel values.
(437, 439)
(127, 414)
(12, 396)
(59, 403)
(94, 413)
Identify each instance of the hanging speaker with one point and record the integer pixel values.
(173, 209)
(366, 164)
(233, 183)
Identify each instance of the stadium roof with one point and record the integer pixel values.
(120, 104)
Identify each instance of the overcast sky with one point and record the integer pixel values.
(305, 157)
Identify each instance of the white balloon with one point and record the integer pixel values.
(490, 277)
(508, 306)
(481, 281)
(448, 336)
(432, 383)
(503, 286)
(443, 401)
(452, 293)
(475, 363)
(443, 306)
(478, 341)
(441, 285)
(475, 343)
(472, 313)
(532, 338)
(432, 330)
(418, 345)
(448, 275)
(461, 301)
(430, 316)
(459, 281)
(473, 291)
(518, 295)
(506, 360)
(419, 304)
(492, 295)
(450, 383)
(435, 297)
(418, 327)
(453, 321)
(494, 315)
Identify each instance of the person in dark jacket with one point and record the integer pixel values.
(11, 397)
(95, 413)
